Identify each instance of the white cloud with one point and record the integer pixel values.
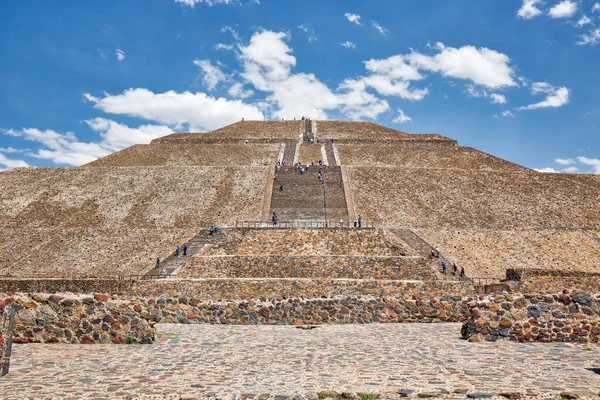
(348, 44)
(584, 21)
(507, 113)
(592, 38)
(547, 169)
(311, 33)
(565, 161)
(529, 9)
(593, 162)
(482, 66)
(353, 18)
(564, 9)
(65, 148)
(556, 96)
(237, 91)
(198, 110)
(10, 150)
(379, 28)
(570, 170)
(192, 3)
(596, 7)
(402, 118)
(267, 65)
(498, 98)
(120, 54)
(12, 163)
(212, 74)
(222, 46)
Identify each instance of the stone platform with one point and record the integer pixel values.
(203, 361)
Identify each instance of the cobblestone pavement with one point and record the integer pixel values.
(199, 359)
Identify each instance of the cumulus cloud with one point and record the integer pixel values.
(197, 110)
(222, 46)
(237, 91)
(65, 148)
(348, 44)
(482, 66)
(11, 163)
(547, 169)
(11, 150)
(495, 98)
(267, 65)
(592, 38)
(192, 3)
(402, 118)
(212, 73)
(120, 54)
(577, 164)
(355, 18)
(507, 113)
(498, 98)
(529, 9)
(592, 162)
(596, 7)
(555, 96)
(382, 31)
(564, 161)
(570, 170)
(584, 21)
(564, 9)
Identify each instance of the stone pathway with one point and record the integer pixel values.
(285, 360)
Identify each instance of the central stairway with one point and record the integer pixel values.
(305, 198)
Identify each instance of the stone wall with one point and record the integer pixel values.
(63, 285)
(275, 266)
(529, 318)
(278, 289)
(102, 319)
(86, 319)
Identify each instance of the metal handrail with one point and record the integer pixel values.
(302, 224)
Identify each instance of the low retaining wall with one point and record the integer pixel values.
(102, 319)
(231, 289)
(49, 285)
(541, 318)
(340, 267)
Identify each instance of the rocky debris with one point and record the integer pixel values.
(535, 317)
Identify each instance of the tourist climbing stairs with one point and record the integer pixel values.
(423, 249)
(305, 198)
(170, 265)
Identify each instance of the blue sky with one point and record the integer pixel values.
(515, 78)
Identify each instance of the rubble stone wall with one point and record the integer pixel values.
(62, 285)
(231, 289)
(104, 319)
(535, 318)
